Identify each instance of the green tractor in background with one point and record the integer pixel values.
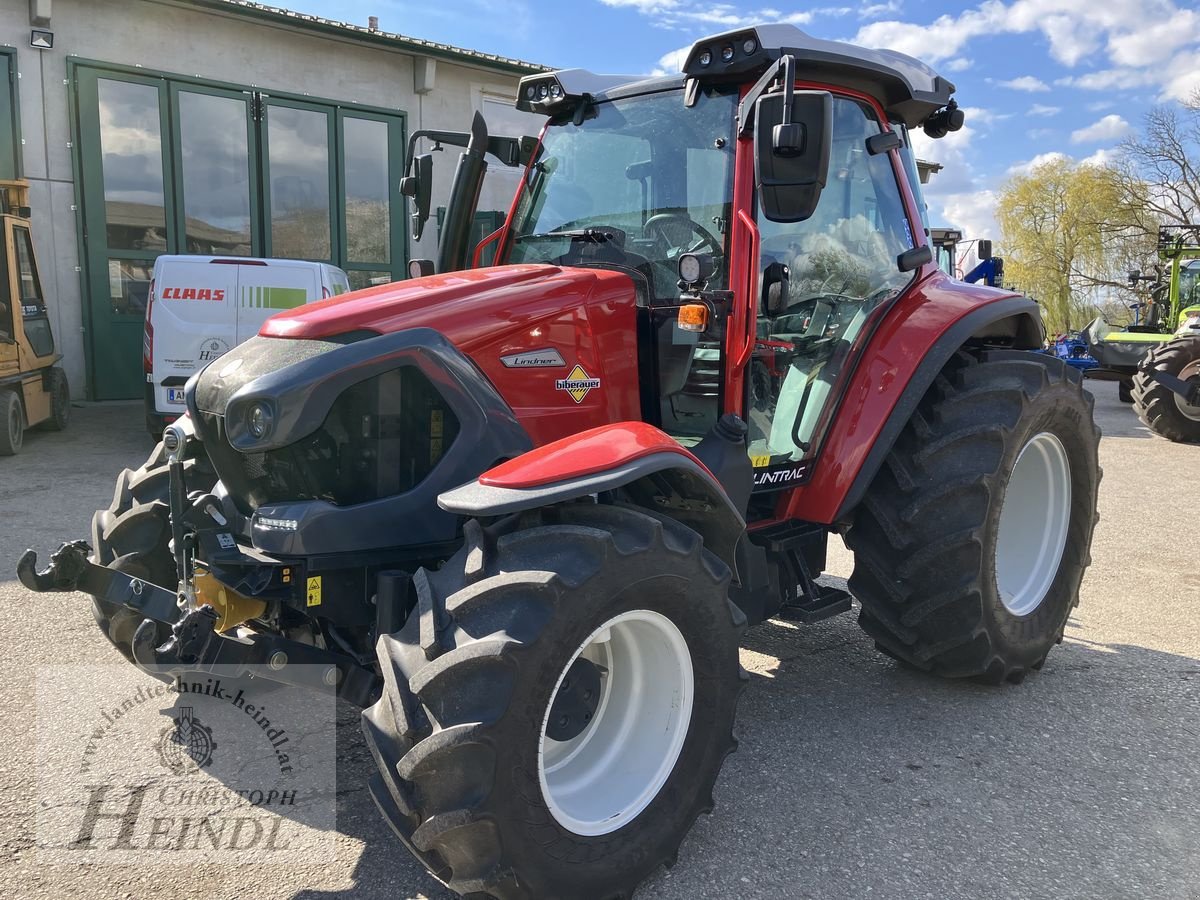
(1166, 386)
(1173, 309)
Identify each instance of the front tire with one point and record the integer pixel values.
(490, 739)
(12, 423)
(60, 401)
(1161, 410)
(134, 536)
(972, 541)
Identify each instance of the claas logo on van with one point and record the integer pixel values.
(174, 293)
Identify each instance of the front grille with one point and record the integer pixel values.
(382, 437)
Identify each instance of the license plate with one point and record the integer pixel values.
(175, 395)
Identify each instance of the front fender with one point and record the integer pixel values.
(649, 467)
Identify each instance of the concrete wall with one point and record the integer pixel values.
(165, 37)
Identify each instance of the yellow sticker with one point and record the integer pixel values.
(314, 590)
(577, 384)
(759, 461)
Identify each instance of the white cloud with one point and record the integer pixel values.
(958, 64)
(1109, 128)
(1039, 109)
(690, 15)
(1102, 157)
(1024, 168)
(1136, 42)
(1025, 83)
(875, 10)
(672, 63)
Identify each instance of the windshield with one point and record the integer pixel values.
(641, 181)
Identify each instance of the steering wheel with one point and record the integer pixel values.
(661, 219)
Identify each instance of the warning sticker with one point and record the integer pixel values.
(577, 384)
(314, 590)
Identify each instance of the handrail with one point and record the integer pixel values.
(487, 240)
(751, 279)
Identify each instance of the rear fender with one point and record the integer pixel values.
(648, 466)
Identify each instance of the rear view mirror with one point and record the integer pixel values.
(775, 289)
(791, 152)
(985, 249)
(1134, 276)
(419, 186)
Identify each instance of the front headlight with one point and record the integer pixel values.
(259, 420)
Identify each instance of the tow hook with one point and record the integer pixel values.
(68, 564)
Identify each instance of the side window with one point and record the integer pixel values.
(27, 278)
(840, 264)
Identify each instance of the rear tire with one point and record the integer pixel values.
(12, 423)
(462, 732)
(60, 401)
(950, 580)
(134, 536)
(1160, 409)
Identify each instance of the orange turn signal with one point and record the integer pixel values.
(693, 317)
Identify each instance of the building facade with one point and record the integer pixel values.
(218, 127)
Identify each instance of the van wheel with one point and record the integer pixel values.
(12, 423)
(60, 401)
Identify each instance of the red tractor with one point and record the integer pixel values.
(548, 495)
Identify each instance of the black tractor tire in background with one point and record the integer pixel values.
(470, 677)
(1160, 409)
(925, 536)
(12, 423)
(134, 536)
(1125, 390)
(60, 401)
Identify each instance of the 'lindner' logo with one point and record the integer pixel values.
(188, 745)
(577, 384)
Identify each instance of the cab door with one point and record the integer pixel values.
(267, 288)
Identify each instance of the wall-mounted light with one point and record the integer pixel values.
(40, 39)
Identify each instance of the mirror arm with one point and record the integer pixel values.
(745, 113)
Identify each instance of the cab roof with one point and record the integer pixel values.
(908, 89)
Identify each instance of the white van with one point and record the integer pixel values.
(199, 307)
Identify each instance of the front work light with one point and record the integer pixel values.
(259, 420)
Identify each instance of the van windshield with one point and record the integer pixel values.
(640, 182)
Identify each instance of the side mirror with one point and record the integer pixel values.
(985, 249)
(791, 152)
(775, 289)
(419, 186)
(1134, 275)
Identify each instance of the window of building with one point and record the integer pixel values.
(168, 164)
(10, 126)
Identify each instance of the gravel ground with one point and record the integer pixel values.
(855, 778)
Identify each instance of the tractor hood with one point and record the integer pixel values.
(466, 306)
(560, 344)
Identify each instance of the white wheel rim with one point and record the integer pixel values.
(1189, 374)
(602, 779)
(1034, 520)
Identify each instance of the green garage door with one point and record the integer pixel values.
(172, 165)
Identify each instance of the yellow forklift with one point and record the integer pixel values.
(33, 390)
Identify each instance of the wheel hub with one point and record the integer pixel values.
(575, 703)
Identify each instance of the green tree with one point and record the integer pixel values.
(1068, 237)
